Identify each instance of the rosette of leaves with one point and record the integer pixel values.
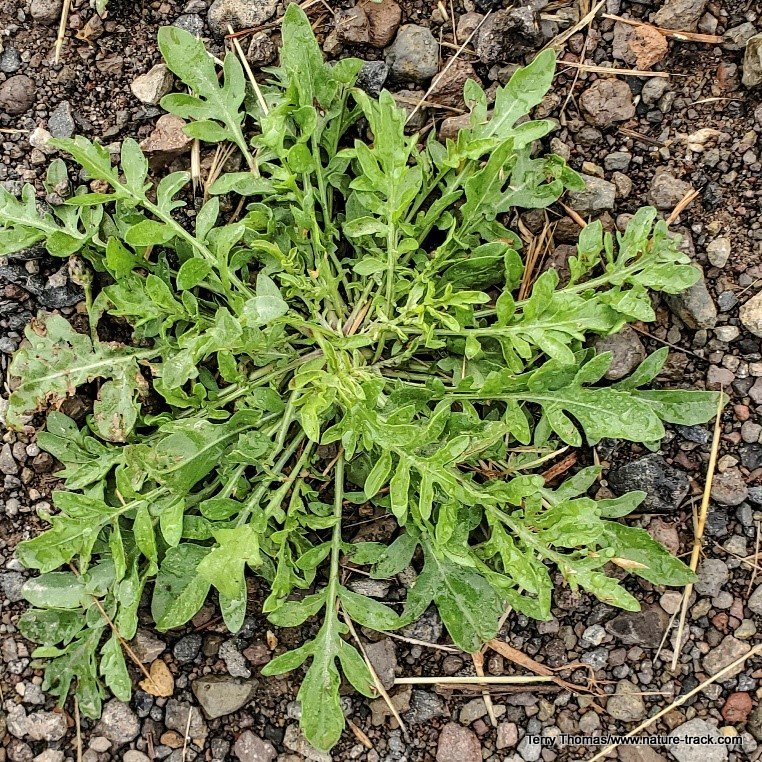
(336, 326)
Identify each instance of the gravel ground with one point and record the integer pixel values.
(639, 139)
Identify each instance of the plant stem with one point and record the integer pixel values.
(338, 504)
(259, 492)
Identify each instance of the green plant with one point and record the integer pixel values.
(353, 338)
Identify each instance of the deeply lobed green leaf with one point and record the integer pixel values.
(353, 329)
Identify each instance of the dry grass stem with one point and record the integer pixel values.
(560, 40)
(699, 530)
(478, 659)
(195, 165)
(423, 643)
(680, 700)
(186, 737)
(60, 37)
(376, 681)
(537, 248)
(249, 73)
(467, 680)
(612, 70)
(359, 734)
(754, 566)
(78, 730)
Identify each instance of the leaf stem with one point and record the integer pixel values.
(338, 505)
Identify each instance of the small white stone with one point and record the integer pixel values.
(718, 251)
(152, 86)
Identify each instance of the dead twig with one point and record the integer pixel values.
(669, 344)
(122, 642)
(517, 657)
(574, 215)
(687, 199)
(557, 469)
(639, 136)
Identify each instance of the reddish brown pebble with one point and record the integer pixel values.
(737, 708)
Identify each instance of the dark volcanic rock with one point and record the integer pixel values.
(665, 486)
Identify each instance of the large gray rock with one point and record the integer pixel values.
(728, 651)
(384, 18)
(607, 101)
(220, 694)
(61, 121)
(751, 314)
(38, 726)
(627, 703)
(240, 14)
(752, 62)
(17, 94)
(414, 55)
(697, 753)
(251, 748)
(694, 306)
(667, 191)
(147, 646)
(627, 352)
(598, 196)
(372, 76)
(458, 744)
(152, 86)
(181, 716)
(640, 628)
(755, 601)
(665, 486)
(712, 575)
(46, 11)
(718, 251)
(680, 14)
(383, 656)
(118, 723)
(729, 487)
(508, 33)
